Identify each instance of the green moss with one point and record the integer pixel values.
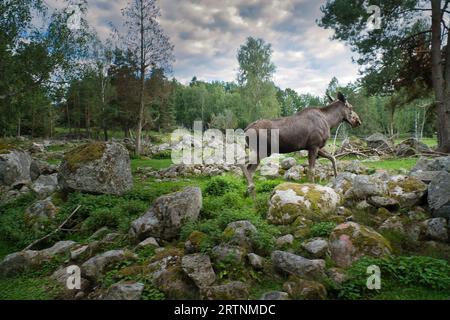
(408, 185)
(5, 148)
(83, 154)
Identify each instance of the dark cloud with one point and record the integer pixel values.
(208, 33)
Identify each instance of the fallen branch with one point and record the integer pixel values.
(60, 227)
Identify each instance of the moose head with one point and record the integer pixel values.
(350, 116)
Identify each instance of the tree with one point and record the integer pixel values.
(145, 37)
(255, 78)
(408, 51)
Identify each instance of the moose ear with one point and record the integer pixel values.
(341, 97)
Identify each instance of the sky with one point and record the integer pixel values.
(208, 33)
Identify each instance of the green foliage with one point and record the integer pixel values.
(167, 154)
(408, 272)
(322, 229)
(218, 186)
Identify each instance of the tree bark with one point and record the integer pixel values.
(440, 84)
(142, 83)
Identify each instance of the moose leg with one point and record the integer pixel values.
(312, 156)
(328, 156)
(249, 177)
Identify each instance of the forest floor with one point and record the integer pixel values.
(217, 212)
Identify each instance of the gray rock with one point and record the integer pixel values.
(294, 174)
(240, 233)
(45, 185)
(235, 290)
(104, 168)
(168, 214)
(19, 262)
(439, 195)
(61, 277)
(125, 291)
(257, 262)
(40, 211)
(149, 242)
(288, 163)
(297, 265)
(275, 295)
(384, 202)
(367, 186)
(286, 240)
(26, 260)
(435, 164)
(317, 247)
(39, 167)
(198, 267)
(424, 176)
(305, 290)
(227, 253)
(436, 229)
(380, 142)
(14, 168)
(96, 266)
(59, 248)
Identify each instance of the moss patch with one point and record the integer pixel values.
(5, 148)
(83, 154)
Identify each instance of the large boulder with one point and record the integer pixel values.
(439, 195)
(30, 259)
(290, 201)
(436, 229)
(380, 142)
(168, 214)
(99, 167)
(292, 264)
(350, 241)
(14, 166)
(96, 266)
(198, 267)
(434, 164)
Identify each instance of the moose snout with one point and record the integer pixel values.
(356, 120)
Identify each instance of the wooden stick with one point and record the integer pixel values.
(54, 231)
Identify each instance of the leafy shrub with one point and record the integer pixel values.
(218, 186)
(166, 154)
(414, 271)
(267, 186)
(322, 229)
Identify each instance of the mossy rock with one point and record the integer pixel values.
(291, 201)
(5, 148)
(408, 191)
(351, 241)
(86, 153)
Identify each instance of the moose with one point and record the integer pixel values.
(308, 129)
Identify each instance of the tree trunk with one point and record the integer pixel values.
(441, 88)
(142, 83)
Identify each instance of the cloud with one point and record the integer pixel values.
(208, 33)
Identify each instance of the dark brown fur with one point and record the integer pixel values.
(308, 129)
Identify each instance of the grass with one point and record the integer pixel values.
(223, 202)
(156, 164)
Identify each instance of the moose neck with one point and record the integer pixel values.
(334, 114)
